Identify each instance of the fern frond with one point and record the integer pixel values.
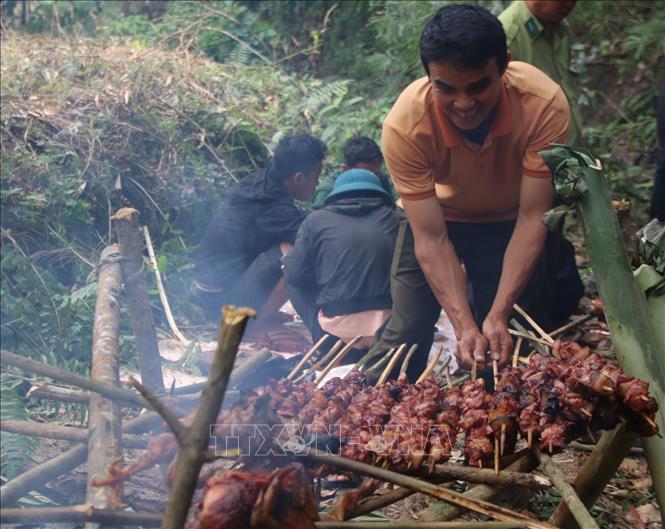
(15, 450)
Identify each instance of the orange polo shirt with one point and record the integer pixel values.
(427, 156)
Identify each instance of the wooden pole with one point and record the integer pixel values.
(104, 426)
(87, 513)
(192, 455)
(108, 390)
(52, 468)
(58, 393)
(417, 485)
(64, 433)
(136, 292)
(441, 512)
(568, 494)
(486, 476)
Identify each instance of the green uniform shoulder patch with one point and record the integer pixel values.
(531, 27)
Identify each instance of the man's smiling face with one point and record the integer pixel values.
(466, 96)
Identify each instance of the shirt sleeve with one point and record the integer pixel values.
(408, 166)
(552, 127)
(299, 262)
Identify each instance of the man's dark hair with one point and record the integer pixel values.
(361, 150)
(296, 153)
(466, 36)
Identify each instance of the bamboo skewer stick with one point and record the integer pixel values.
(568, 494)
(516, 352)
(430, 365)
(307, 356)
(502, 443)
(449, 381)
(535, 341)
(529, 337)
(407, 359)
(160, 287)
(393, 361)
(497, 461)
(495, 372)
(474, 369)
(381, 362)
(338, 358)
(533, 324)
(455, 498)
(571, 325)
(320, 362)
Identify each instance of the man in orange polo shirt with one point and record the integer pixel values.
(461, 146)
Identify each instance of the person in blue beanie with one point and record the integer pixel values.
(338, 273)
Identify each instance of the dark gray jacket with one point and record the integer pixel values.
(344, 251)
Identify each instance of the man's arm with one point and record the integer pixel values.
(438, 260)
(521, 255)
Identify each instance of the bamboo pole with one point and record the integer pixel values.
(417, 485)
(104, 426)
(596, 472)
(138, 302)
(64, 433)
(568, 494)
(524, 463)
(486, 476)
(193, 453)
(579, 179)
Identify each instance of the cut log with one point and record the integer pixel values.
(136, 292)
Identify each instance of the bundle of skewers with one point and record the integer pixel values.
(414, 426)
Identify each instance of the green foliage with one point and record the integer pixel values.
(15, 450)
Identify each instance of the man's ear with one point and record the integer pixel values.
(298, 178)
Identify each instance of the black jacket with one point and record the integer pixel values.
(257, 215)
(344, 251)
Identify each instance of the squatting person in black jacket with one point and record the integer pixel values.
(338, 273)
(239, 259)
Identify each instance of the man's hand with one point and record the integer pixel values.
(495, 329)
(471, 345)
